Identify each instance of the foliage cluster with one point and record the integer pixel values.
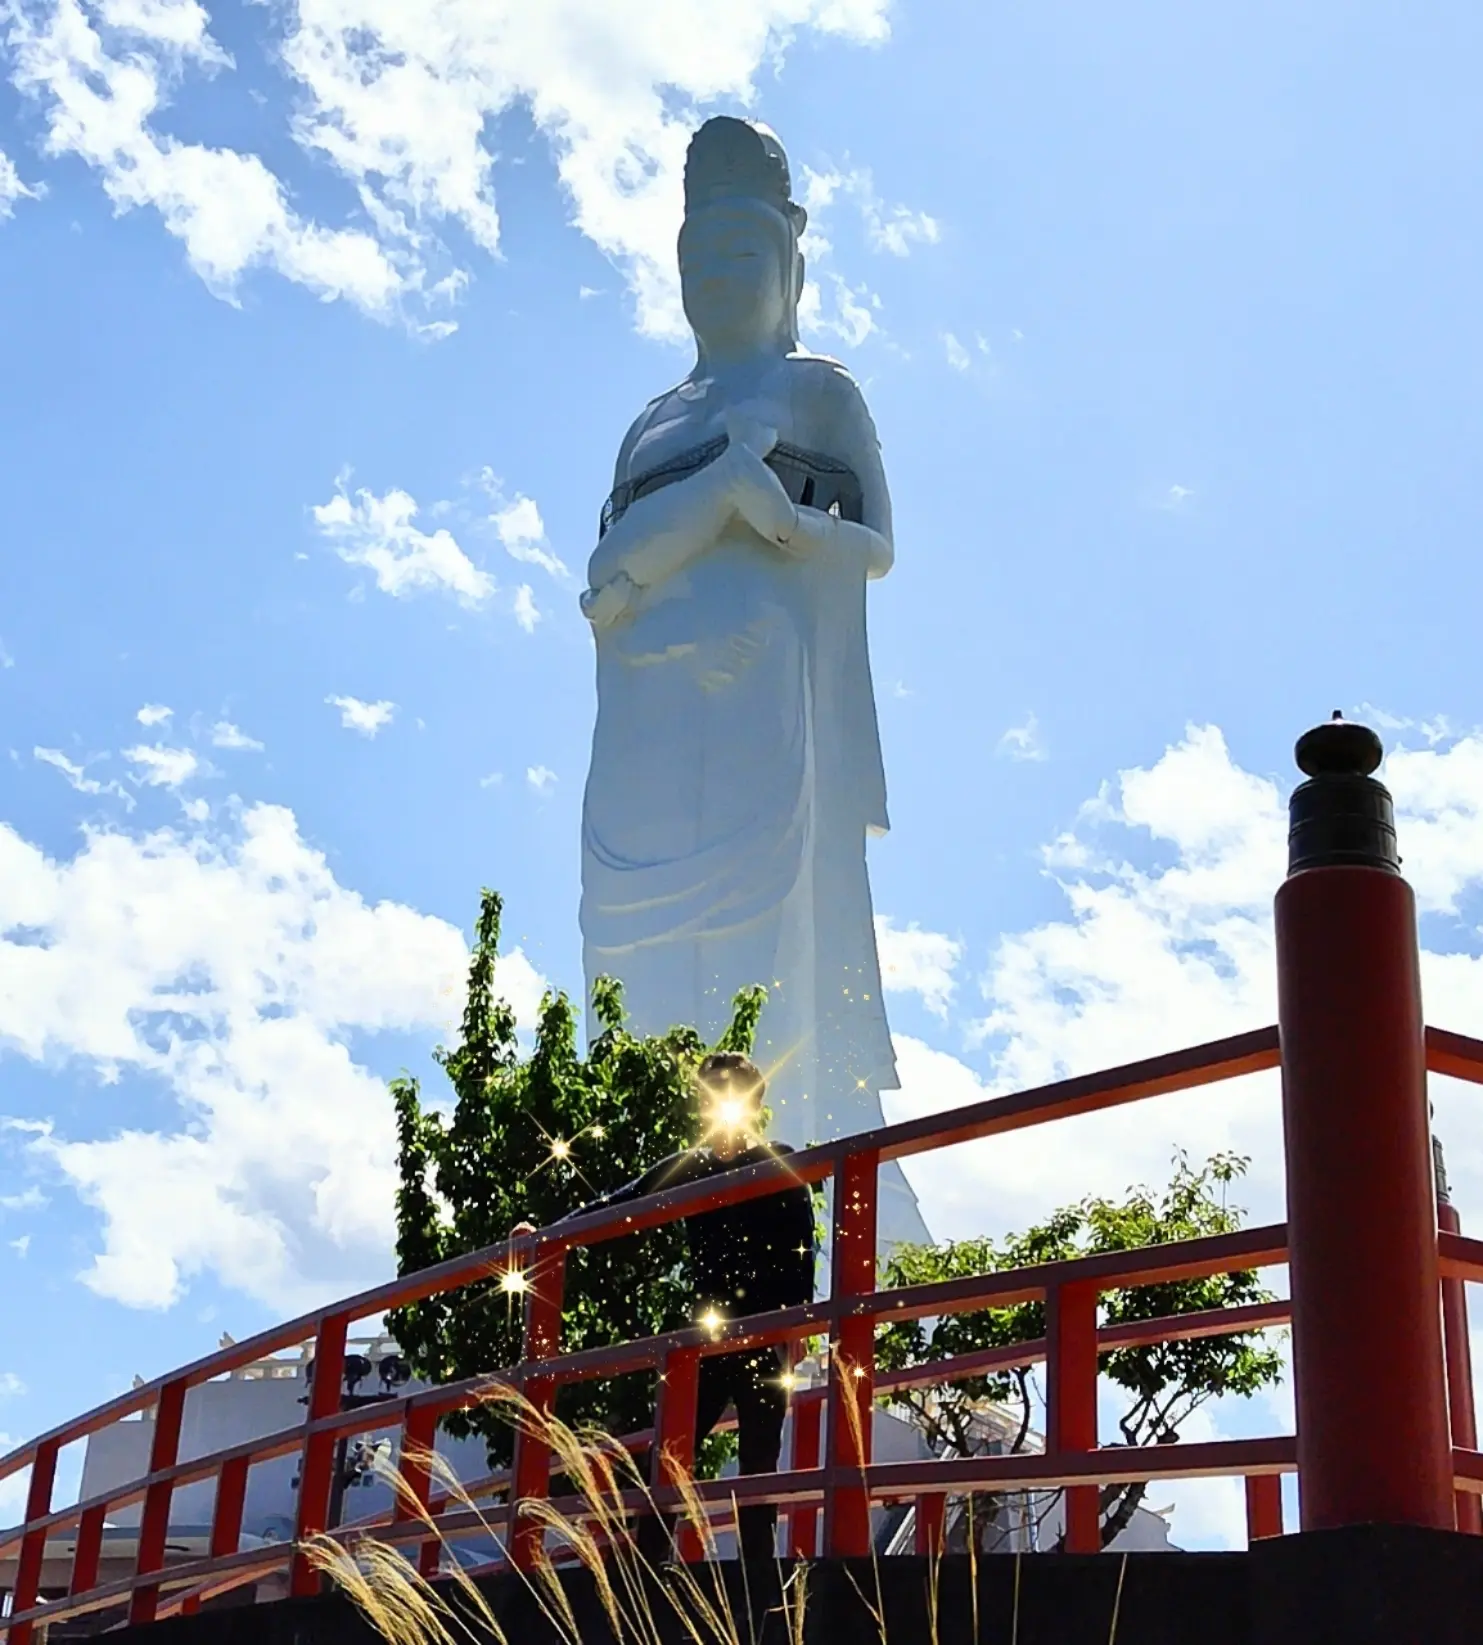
(530, 1138)
(1161, 1384)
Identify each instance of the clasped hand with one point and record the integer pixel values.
(747, 487)
(756, 492)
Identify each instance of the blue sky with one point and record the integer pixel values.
(312, 383)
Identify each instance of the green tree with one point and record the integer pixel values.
(529, 1138)
(1162, 1384)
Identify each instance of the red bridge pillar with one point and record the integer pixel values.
(1373, 1441)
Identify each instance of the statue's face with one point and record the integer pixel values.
(731, 273)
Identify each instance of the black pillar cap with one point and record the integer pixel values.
(1341, 816)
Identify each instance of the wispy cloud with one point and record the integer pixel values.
(12, 188)
(366, 718)
(914, 961)
(77, 775)
(527, 613)
(958, 357)
(153, 714)
(226, 735)
(1023, 742)
(160, 767)
(518, 525)
(541, 778)
(378, 533)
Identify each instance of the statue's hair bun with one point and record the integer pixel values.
(739, 159)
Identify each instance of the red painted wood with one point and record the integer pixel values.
(1362, 1224)
(154, 1521)
(803, 1522)
(1071, 1402)
(1459, 1352)
(226, 1515)
(931, 1521)
(673, 1454)
(317, 1461)
(531, 1473)
(851, 1359)
(1263, 1506)
(87, 1551)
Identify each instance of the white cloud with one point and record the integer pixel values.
(404, 109)
(226, 735)
(1173, 952)
(20, 1246)
(541, 778)
(12, 188)
(160, 767)
(914, 961)
(153, 714)
(405, 104)
(495, 779)
(197, 810)
(10, 1385)
(6, 660)
(77, 776)
(103, 71)
(30, 1199)
(378, 533)
(958, 357)
(235, 974)
(527, 613)
(890, 228)
(518, 525)
(366, 718)
(1022, 742)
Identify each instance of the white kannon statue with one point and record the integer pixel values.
(736, 763)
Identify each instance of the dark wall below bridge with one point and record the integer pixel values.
(1366, 1586)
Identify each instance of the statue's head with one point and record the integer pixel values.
(741, 273)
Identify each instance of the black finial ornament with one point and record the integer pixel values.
(1341, 815)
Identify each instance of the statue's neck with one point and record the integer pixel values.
(724, 359)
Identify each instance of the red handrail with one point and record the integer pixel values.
(843, 1481)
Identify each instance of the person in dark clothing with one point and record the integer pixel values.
(749, 1258)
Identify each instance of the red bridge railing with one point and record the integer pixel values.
(829, 1471)
(1362, 1226)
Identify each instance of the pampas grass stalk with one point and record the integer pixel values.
(405, 1608)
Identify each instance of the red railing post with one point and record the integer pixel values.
(33, 1543)
(1071, 1402)
(673, 1452)
(851, 1359)
(1373, 1443)
(1459, 1352)
(88, 1549)
(419, 1435)
(317, 1461)
(931, 1520)
(154, 1521)
(226, 1513)
(530, 1476)
(803, 1521)
(1263, 1506)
